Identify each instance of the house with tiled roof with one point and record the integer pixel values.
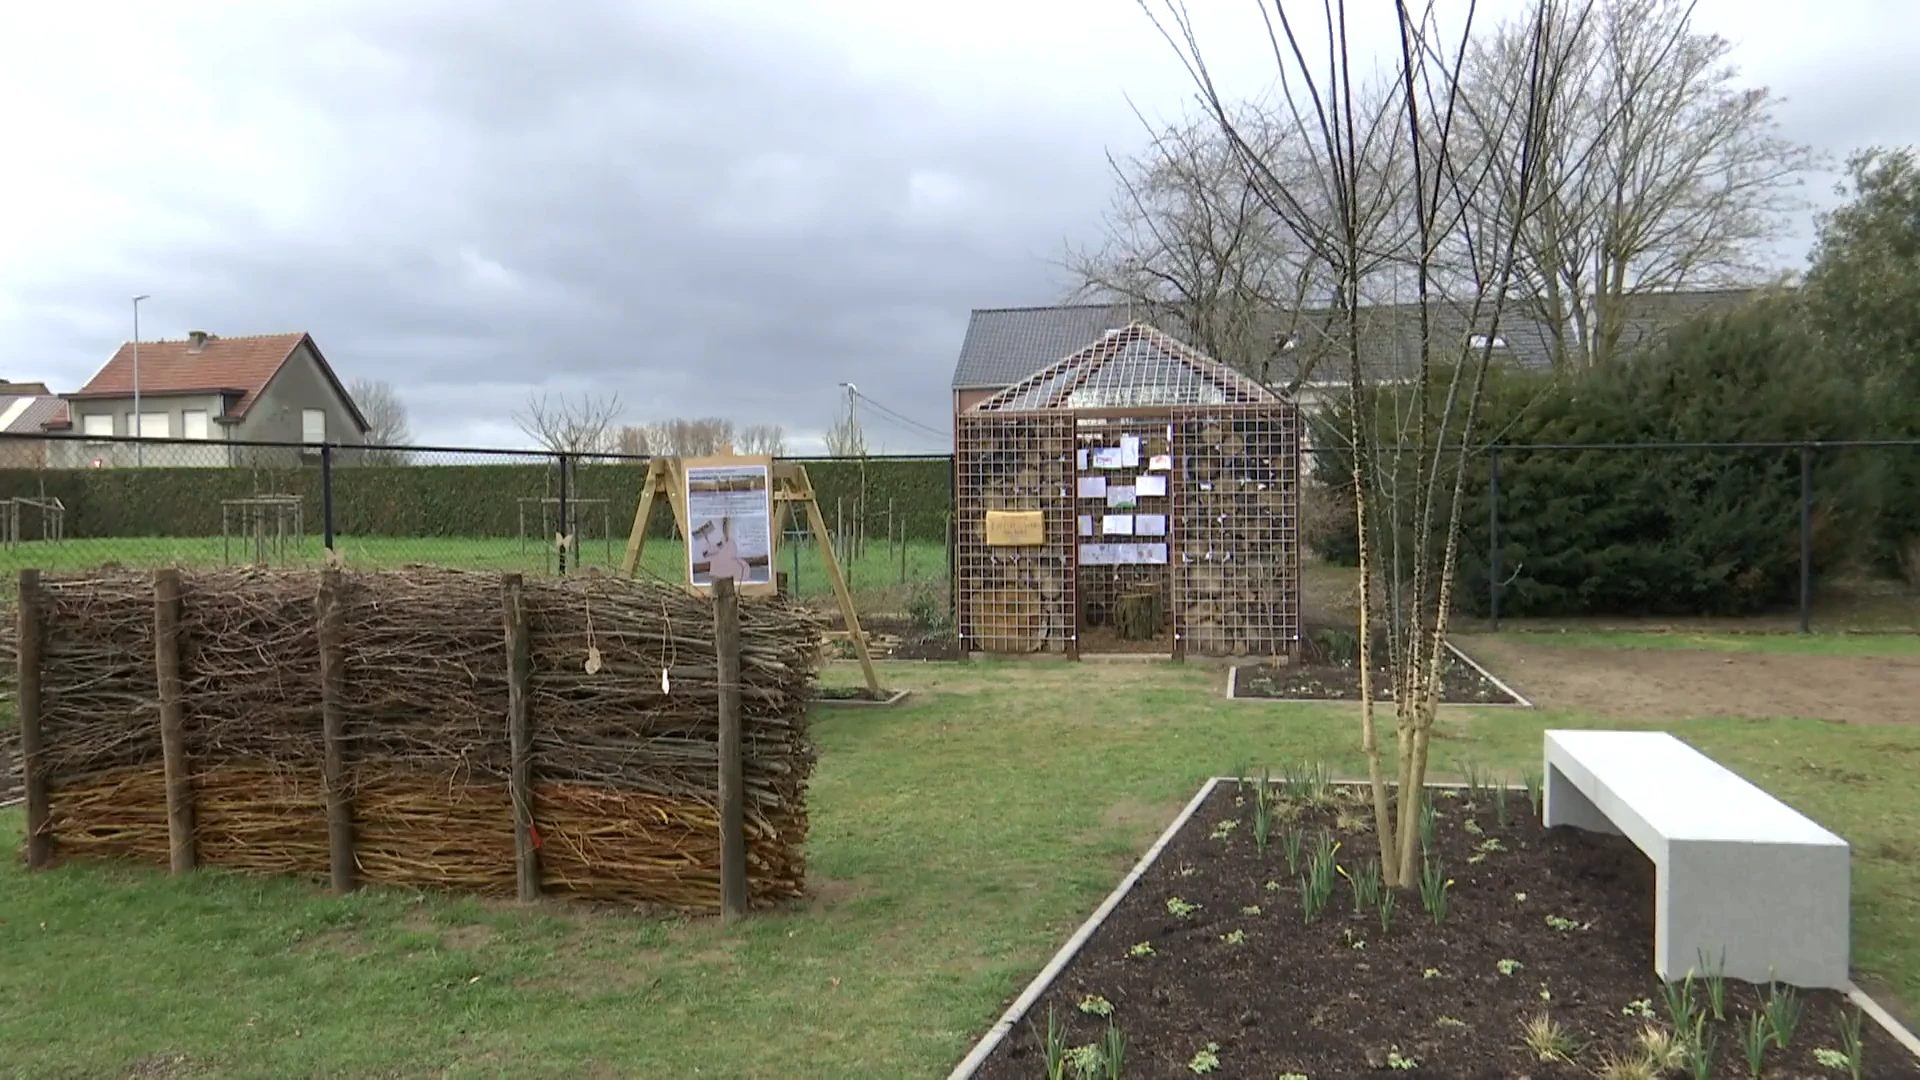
(25, 410)
(208, 389)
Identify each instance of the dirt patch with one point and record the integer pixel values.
(160, 1067)
(1235, 978)
(1680, 684)
(340, 940)
(824, 893)
(1460, 684)
(470, 936)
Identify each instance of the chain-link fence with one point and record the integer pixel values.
(76, 503)
(1758, 535)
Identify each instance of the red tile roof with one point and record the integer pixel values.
(238, 365)
(243, 365)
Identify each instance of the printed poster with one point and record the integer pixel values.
(1093, 487)
(1123, 554)
(1160, 463)
(1107, 457)
(1086, 524)
(1150, 485)
(1120, 497)
(729, 519)
(1129, 451)
(1150, 524)
(1116, 525)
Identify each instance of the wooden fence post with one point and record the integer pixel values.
(333, 723)
(173, 720)
(733, 833)
(33, 768)
(520, 737)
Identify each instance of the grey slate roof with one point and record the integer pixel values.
(1005, 345)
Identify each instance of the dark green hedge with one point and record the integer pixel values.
(1672, 531)
(439, 500)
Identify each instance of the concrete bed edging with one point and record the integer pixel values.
(997, 1034)
(1519, 701)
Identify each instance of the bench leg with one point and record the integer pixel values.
(1564, 804)
(1778, 911)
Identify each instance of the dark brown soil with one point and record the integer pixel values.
(1337, 997)
(1460, 684)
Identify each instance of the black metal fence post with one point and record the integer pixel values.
(1493, 535)
(566, 534)
(326, 495)
(1806, 538)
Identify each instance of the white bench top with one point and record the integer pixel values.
(1679, 792)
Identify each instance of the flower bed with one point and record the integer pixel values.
(1527, 952)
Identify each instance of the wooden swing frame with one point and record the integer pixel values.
(666, 479)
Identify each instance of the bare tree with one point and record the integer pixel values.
(386, 417)
(768, 439)
(565, 426)
(1409, 461)
(846, 438)
(1658, 170)
(1193, 245)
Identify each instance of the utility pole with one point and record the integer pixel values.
(139, 447)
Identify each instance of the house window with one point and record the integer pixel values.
(193, 424)
(97, 425)
(1479, 341)
(313, 425)
(156, 425)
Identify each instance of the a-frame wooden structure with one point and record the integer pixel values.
(791, 488)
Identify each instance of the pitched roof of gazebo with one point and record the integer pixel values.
(1134, 365)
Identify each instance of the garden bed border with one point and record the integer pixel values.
(988, 1043)
(1519, 701)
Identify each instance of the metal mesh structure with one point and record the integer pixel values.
(1236, 568)
(1015, 599)
(1169, 486)
(1135, 365)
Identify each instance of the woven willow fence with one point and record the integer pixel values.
(419, 727)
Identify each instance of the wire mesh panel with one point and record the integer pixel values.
(1015, 597)
(1123, 466)
(1236, 566)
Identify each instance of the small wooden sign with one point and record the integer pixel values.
(1015, 528)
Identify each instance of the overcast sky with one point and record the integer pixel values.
(725, 207)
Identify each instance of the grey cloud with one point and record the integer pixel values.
(598, 159)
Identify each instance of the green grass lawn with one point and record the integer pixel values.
(955, 842)
(876, 576)
(1888, 644)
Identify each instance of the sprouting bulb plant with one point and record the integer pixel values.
(1783, 1014)
(1434, 885)
(1716, 982)
(1755, 1035)
(1290, 841)
(1850, 1041)
(1427, 818)
(1262, 816)
(1086, 1061)
(1531, 781)
(1113, 1052)
(1388, 901)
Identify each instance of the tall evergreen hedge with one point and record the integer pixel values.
(429, 500)
(1668, 531)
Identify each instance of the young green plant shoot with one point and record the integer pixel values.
(1290, 840)
(1095, 1005)
(1053, 1048)
(1205, 1060)
(1783, 1014)
(1500, 804)
(1262, 816)
(1700, 1048)
(1546, 1039)
(1365, 885)
(1531, 781)
(1755, 1036)
(1681, 1008)
(1716, 983)
(1388, 901)
(1850, 1041)
(1434, 884)
(1427, 816)
(1113, 1052)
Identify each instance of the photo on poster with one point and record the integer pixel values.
(1160, 463)
(729, 517)
(1120, 497)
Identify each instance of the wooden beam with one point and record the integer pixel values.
(733, 835)
(33, 763)
(333, 726)
(526, 851)
(173, 720)
(637, 539)
(839, 583)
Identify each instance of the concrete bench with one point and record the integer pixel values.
(1736, 869)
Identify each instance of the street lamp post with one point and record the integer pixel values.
(139, 447)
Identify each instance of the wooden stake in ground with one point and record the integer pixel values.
(733, 835)
(333, 725)
(27, 707)
(173, 720)
(520, 737)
